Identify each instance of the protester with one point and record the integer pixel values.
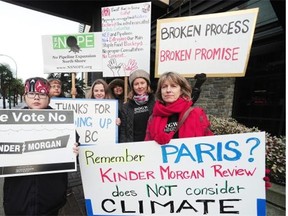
(173, 96)
(116, 87)
(56, 91)
(55, 88)
(99, 90)
(136, 111)
(36, 194)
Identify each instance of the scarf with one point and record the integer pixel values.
(179, 106)
(161, 113)
(141, 99)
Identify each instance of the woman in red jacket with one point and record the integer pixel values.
(173, 100)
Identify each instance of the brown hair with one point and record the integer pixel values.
(175, 78)
(54, 80)
(106, 89)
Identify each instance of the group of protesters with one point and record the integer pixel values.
(142, 116)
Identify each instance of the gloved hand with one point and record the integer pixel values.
(267, 179)
(200, 79)
(164, 138)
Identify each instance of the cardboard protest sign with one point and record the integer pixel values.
(215, 175)
(215, 44)
(36, 142)
(72, 52)
(126, 39)
(95, 119)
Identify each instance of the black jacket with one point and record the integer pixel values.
(127, 118)
(35, 194)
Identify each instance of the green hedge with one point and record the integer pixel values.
(275, 146)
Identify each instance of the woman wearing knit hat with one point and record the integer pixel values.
(135, 113)
(36, 194)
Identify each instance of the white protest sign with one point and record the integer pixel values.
(36, 142)
(215, 44)
(126, 39)
(215, 175)
(95, 119)
(72, 52)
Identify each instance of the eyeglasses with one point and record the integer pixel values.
(32, 95)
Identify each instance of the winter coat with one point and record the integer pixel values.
(35, 194)
(127, 119)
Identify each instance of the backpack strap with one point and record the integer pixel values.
(184, 118)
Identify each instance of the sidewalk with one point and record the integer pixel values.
(75, 198)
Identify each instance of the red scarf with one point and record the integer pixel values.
(161, 113)
(195, 125)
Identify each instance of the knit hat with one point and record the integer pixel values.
(139, 74)
(37, 84)
(116, 82)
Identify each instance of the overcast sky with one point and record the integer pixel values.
(20, 37)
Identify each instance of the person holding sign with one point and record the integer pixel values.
(99, 90)
(136, 111)
(36, 194)
(173, 115)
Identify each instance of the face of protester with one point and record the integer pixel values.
(118, 90)
(99, 91)
(36, 100)
(55, 90)
(170, 91)
(140, 86)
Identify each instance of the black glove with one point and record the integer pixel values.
(200, 79)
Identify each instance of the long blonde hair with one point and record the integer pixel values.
(175, 78)
(107, 91)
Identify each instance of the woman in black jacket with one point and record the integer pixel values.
(136, 111)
